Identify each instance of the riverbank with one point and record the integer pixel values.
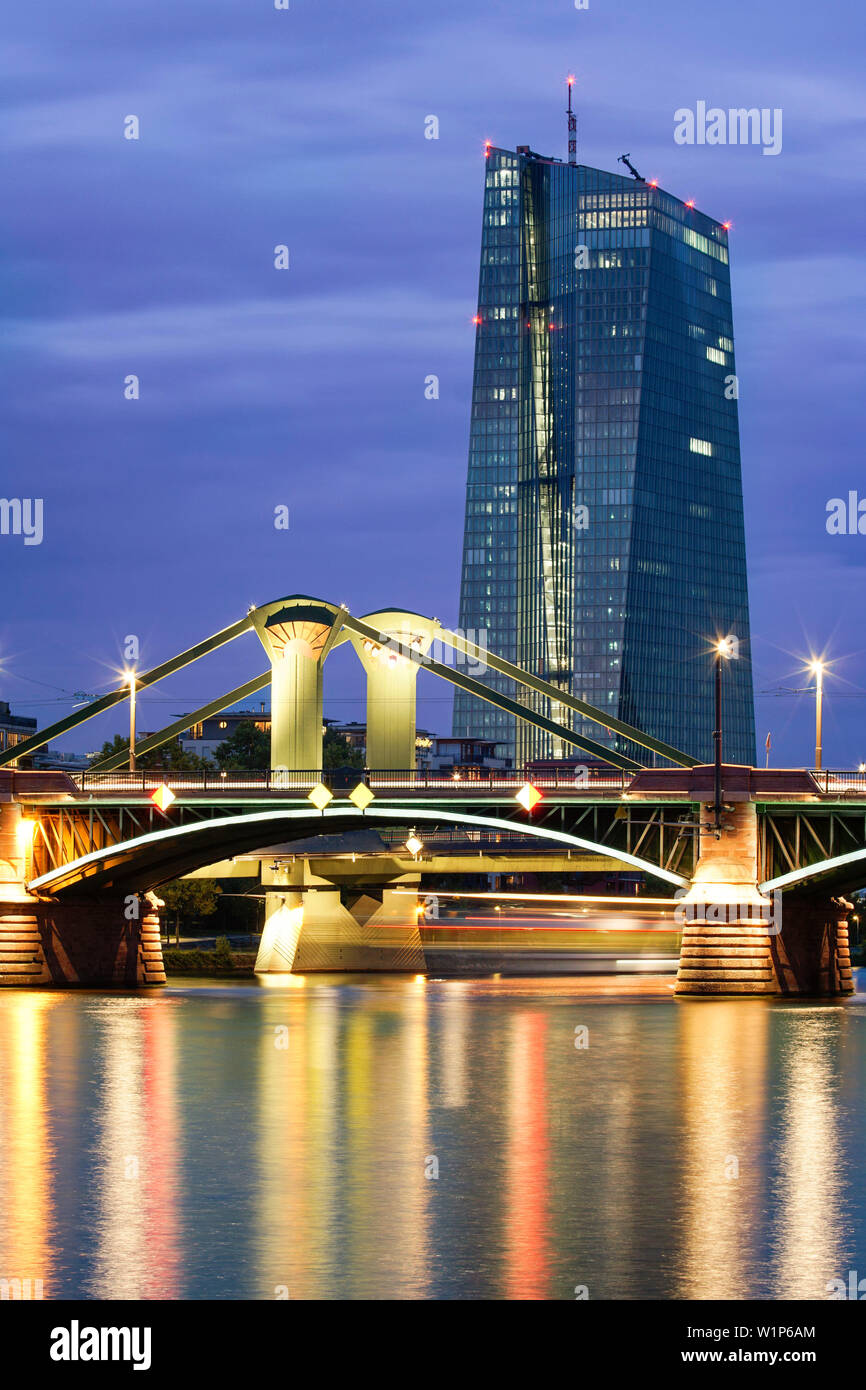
(230, 965)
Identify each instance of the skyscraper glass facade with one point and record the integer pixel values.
(603, 544)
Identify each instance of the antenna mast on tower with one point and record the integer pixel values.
(572, 127)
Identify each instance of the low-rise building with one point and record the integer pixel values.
(205, 737)
(14, 728)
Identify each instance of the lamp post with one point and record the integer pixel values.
(724, 652)
(130, 678)
(818, 672)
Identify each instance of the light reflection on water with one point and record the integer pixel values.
(167, 1145)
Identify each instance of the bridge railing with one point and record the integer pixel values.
(466, 779)
(493, 778)
(205, 780)
(834, 781)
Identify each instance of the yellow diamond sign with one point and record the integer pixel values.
(361, 796)
(163, 797)
(320, 796)
(528, 796)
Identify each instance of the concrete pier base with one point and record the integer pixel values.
(311, 931)
(726, 960)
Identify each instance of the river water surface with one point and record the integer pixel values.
(384, 1137)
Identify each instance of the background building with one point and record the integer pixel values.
(14, 728)
(603, 545)
(204, 738)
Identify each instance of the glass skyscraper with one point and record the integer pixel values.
(603, 544)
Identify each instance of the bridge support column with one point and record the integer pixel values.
(296, 633)
(737, 942)
(726, 944)
(391, 682)
(308, 930)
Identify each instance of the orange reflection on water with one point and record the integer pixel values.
(27, 1150)
(810, 1188)
(722, 1064)
(161, 1177)
(137, 1254)
(527, 1181)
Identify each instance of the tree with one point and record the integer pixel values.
(189, 898)
(337, 751)
(170, 757)
(248, 748)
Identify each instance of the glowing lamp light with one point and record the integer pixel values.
(476, 318)
(690, 202)
(571, 81)
(528, 796)
(24, 832)
(653, 183)
(862, 767)
(727, 226)
(163, 797)
(361, 796)
(413, 844)
(320, 796)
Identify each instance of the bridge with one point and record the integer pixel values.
(760, 893)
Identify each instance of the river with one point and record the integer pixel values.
(361, 1137)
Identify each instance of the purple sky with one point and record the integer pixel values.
(306, 387)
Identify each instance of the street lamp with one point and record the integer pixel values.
(130, 680)
(724, 652)
(817, 669)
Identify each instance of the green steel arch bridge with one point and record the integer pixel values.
(74, 849)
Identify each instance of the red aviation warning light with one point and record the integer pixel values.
(690, 202)
(476, 318)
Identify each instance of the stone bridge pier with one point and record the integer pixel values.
(737, 941)
(109, 940)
